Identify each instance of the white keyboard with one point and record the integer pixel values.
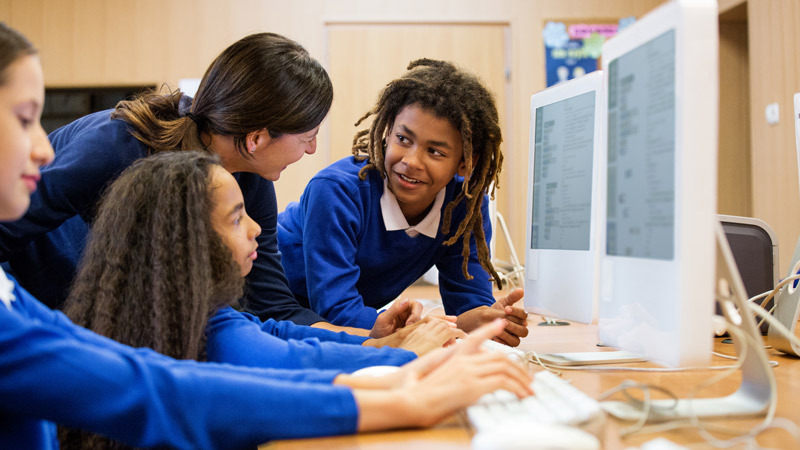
(555, 401)
(513, 353)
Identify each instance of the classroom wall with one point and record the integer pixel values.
(116, 42)
(774, 54)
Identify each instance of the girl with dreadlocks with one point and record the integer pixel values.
(413, 196)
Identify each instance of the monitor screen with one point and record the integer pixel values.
(661, 105)
(564, 200)
(562, 179)
(640, 219)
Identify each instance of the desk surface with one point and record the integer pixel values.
(455, 432)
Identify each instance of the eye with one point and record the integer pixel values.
(401, 139)
(237, 220)
(435, 152)
(25, 122)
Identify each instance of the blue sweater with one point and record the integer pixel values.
(90, 153)
(341, 261)
(242, 339)
(56, 372)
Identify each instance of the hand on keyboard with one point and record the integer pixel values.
(555, 401)
(449, 379)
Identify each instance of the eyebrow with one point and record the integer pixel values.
(236, 209)
(434, 143)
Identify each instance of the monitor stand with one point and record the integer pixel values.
(758, 386)
(787, 310)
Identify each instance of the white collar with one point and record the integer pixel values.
(6, 290)
(394, 219)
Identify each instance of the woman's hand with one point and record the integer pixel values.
(402, 313)
(427, 334)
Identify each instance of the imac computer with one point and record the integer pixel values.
(563, 195)
(658, 282)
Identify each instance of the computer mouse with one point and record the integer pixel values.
(375, 371)
(534, 436)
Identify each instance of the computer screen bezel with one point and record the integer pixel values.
(563, 283)
(663, 308)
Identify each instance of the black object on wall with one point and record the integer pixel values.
(64, 105)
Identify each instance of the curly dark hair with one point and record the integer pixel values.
(460, 97)
(154, 270)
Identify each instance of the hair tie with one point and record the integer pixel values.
(194, 118)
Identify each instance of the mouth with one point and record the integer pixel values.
(31, 181)
(253, 255)
(407, 179)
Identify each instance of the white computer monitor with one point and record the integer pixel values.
(661, 105)
(561, 258)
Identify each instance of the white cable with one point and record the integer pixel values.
(773, 322)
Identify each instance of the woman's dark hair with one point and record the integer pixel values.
(262, 81)
(12, 46)
(154, 269)
(460, 97)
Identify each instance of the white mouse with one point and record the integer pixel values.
(375, 371)
(534, 436)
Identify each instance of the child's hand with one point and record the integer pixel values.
(517, 317)
(517, 324)
(453, 378)
(401, 313)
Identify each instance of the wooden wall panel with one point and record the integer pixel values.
(734, 185)
(774, 48)
(107, 42)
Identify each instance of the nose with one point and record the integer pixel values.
(254, 230)
(312, 146)
(411, 157)
(42, 152)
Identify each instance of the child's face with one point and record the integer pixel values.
(423, 153)
(230, 220)
(23, 143)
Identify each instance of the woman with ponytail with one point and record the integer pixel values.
(258, 108)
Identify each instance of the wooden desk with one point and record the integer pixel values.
(456, 433)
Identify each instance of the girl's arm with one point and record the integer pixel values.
(54, 371)
(242, 339)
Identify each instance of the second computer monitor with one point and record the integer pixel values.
(657, 273)
(563, 195)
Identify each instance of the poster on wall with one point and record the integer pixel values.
(574, 49)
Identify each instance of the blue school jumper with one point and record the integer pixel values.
(242, 339)
(43, 248)
(53, 371)
(341, 261)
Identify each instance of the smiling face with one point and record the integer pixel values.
(231, 221)
(273, 155)
(24, 147)
(423, 153)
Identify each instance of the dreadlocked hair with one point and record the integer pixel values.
(154, 270)
(460, 97)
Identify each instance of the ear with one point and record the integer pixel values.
(463, 170)
(256, 140)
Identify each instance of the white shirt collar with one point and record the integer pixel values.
(394, 219)
(6, 290)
